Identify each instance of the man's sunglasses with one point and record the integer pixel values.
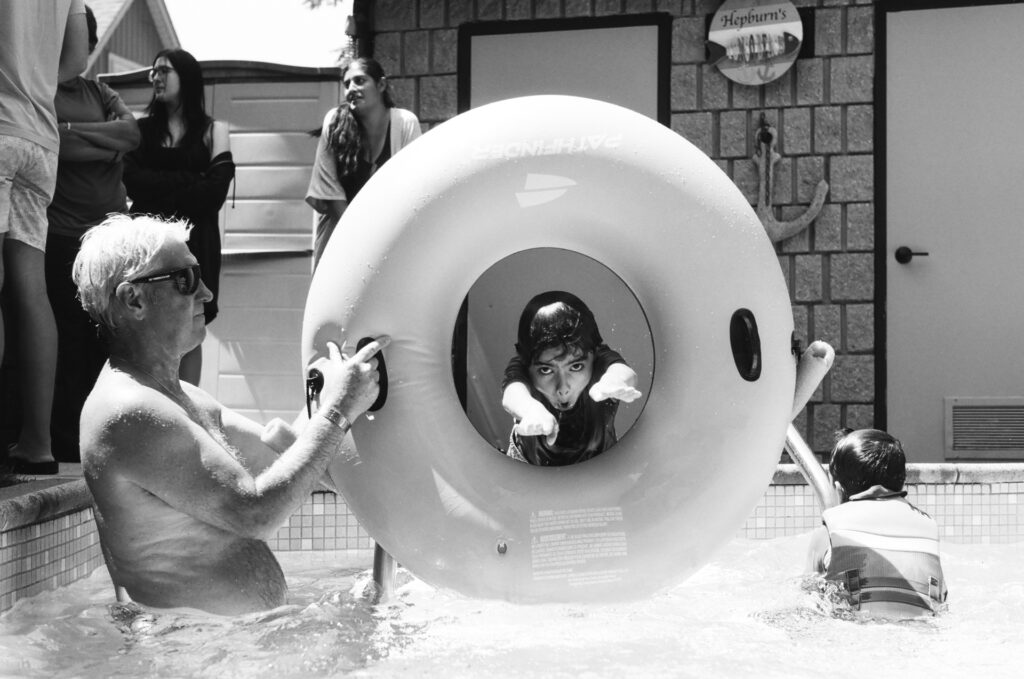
(186, 280)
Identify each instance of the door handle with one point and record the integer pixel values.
(905, 254)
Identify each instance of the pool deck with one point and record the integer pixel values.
(48, 537)
(43, 498)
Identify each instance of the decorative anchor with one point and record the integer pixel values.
(765, 158)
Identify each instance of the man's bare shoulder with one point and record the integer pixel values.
(124, 418)
(118, 398)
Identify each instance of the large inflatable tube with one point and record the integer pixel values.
(611, 184)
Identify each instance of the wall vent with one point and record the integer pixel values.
(984, 428)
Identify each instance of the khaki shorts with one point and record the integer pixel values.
(28, 174)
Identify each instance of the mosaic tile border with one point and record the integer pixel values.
(977, 513)
(47, 555)
(324, 522)
(48, 538)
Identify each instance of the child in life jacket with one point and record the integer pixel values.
(564, 385)
(881, 550)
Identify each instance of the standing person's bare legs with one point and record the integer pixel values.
(36, 339)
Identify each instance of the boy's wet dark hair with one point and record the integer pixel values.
(556, 319)
(868, 457)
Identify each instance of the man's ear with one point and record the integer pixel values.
(130, 298)
(842, 491)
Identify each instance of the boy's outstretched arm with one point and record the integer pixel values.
(533, 419)
(618, 382)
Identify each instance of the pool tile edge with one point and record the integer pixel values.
(35, 506)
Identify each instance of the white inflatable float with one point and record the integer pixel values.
(611, 184)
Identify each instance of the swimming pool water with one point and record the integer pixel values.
(749, 613)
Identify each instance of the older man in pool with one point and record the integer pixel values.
(185, 490)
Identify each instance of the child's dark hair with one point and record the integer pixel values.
(868, 457)
(556, 319)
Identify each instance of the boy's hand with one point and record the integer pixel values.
(537, 421)
(605, 389)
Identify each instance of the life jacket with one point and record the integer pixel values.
(886, 552)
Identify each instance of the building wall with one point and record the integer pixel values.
(135, 38)
(822, 109)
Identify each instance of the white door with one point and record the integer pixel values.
(954, 188)
(252, 356)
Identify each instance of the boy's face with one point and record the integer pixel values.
(562, 376)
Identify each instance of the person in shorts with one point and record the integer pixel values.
(41, 44)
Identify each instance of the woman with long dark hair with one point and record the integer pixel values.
(357, 137)
(183, 168)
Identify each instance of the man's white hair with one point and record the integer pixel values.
(117, 250)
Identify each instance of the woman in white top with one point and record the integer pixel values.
(357, 137)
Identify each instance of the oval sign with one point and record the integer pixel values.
(754, 42)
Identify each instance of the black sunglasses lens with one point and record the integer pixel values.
(187, 280)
